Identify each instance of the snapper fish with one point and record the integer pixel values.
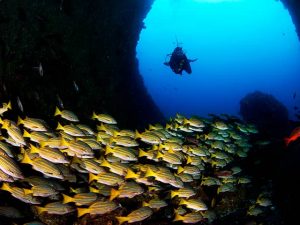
(5, 107)
(66, 114)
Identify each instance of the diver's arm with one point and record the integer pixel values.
(192, 60)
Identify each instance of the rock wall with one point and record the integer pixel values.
(294, 8)
(78, 43)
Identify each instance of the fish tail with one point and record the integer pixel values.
(92, 177)
(122, 219)
(82, 211)
(137, 134)
(142, 153)
(113, 194)
(94, 116)
(131, 175)
(26, 159)
(178, 217)
(9, 105)
(67, 199)
(26, 134)
(20, 121)
(149, 173)
(40, 210)
(173, 194)
(27, 191)
(57, 111)
(59, 126)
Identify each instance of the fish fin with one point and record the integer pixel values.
(5, 187)
(67, 199)
(64, 142)
(92, 177)
(130, 174)
(150, 173)
(94, 116)
(26, 159)
(151, 127)
(137, 134)
(94, 190)
(122, 219)
(57, 111)
(178, 217)
(180, 170)
(171, 151)
(168, 126)
(105, 163)
(20, 121)
(9, 105)
(192, 60)
(185, 121)
(145, 204)
(173, 194)
(4, 125)
(108, 150)
(113, 194)
(82, 211)
(188, 160)
(40, 210)
(59, 127)
(115, 133)
(73, 190)
(26, 134)
(142, 153)
(33, 149)
(182, 202)
(27, 191)
(159, 155)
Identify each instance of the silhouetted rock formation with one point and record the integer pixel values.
(266, 112)
(91, 43)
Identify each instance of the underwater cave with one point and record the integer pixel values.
(108, 56)
(241, 46)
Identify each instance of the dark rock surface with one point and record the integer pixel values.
(294, 9)
(265, 111)
(91, 43)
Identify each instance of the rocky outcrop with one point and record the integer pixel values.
(84, 44)
(294, 9)
(265, 111)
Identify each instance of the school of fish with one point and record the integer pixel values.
(84, 170)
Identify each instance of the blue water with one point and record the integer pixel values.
(241, 45)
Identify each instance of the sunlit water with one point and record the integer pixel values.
(241, 45)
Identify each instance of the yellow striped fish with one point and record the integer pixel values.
(98, 208)
(66, 114)
(44, 166)
(33, 124)
(136, 216)
(56, 208)
(80, 199)
(104, 118)
(8, 166)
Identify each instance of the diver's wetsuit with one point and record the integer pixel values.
(179, 62)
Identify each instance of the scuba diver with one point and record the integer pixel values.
(179, 62)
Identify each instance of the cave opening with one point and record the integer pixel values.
(241, 46)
